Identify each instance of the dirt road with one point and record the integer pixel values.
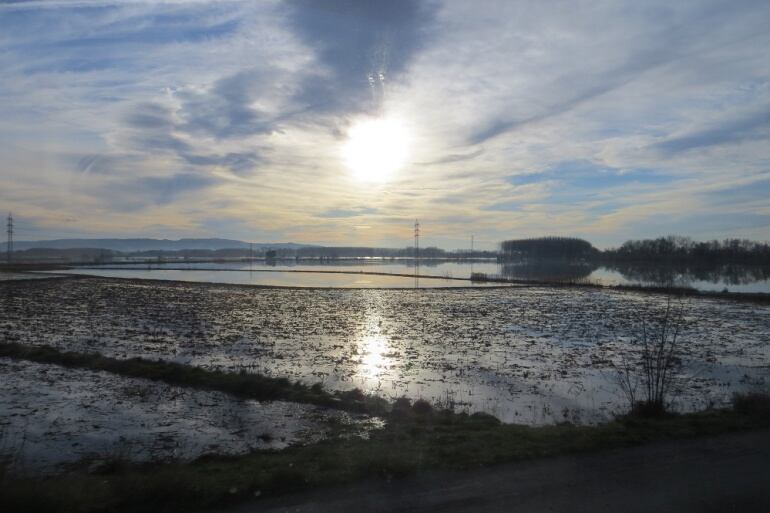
(719, 474)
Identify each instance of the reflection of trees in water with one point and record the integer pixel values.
(548, 270)
(360, 262)
(654, 274)
(729, 274)
(427, 262)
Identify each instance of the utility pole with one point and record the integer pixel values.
(251, 255)
(417, 240)
(416, 253)
(10, 237)
(471, 256)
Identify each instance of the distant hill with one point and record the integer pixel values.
(129, 245)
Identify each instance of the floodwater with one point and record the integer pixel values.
(734, 278)
(5, 276)
(349, 279)
(531, 355)
(54, 417)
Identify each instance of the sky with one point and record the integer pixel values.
(606, 120)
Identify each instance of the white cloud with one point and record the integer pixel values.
(247, 101)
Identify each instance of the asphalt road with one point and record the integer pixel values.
(720, 474)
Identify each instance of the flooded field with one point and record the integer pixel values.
(273, 278)
(54, 417)
(527, 355)
(736, 278)
(6, 276)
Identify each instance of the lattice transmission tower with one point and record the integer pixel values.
(417, 240)
(10, 237)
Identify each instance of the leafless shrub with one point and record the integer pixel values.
(756, 404)
(647, 379)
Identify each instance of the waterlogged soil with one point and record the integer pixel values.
(533, 355)
(56, 418)
(11, 276)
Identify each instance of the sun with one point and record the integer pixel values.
(376, 148)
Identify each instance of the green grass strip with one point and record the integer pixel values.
(241, 384)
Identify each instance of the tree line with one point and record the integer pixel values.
(677, 249)
(548, 248)
(672, 249)
(96, 255)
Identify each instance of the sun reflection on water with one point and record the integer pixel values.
(374, 348)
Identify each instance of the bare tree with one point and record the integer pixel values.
(647, 379)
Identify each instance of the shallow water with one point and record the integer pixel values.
(54, 417)
(528, 355)
(348, 280)
(5, 276)
(735, 279)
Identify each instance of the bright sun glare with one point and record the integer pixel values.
(376, 148)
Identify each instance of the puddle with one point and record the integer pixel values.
(54, 417)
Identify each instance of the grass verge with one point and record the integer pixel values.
(409, 444)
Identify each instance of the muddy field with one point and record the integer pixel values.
(6, 276)
(526, 355)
